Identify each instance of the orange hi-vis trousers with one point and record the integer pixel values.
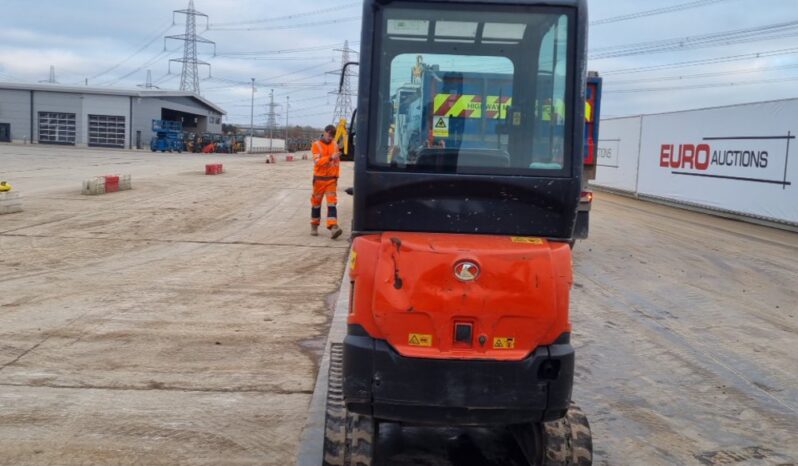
(324, 186)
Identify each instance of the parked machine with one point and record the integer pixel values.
(592, 119)
(467, 110)
(460, 267)
(168, 136)
(474, 102)
(343, 136)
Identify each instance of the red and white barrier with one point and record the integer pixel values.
(290, 157)
(10, 202)
(214, 169)
(107, 184)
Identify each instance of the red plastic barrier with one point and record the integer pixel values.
(111, 183)
(289, 158)
(214, 169)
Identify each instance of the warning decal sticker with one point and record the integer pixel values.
(440, 128)
(503, 343)
(526, 239)
(419, 339)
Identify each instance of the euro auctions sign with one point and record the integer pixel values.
(740, 158)
(755, 159)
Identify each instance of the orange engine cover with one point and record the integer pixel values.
(406, 290)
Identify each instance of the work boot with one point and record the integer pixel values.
(314, 230)
(335, 231)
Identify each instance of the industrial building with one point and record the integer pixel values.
(98, 117)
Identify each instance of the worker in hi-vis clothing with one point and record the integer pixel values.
(326, 164)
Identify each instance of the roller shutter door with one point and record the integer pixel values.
(56, 128)
(107, 131)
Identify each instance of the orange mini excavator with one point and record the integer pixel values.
(467, 184)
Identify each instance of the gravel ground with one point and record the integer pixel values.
(181, 323)
(177, 323)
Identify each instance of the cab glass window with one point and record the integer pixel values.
(474, 92)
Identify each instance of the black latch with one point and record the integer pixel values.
(463, 333)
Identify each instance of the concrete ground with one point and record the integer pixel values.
(178, 323)
(686, 329)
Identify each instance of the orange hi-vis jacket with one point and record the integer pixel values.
(324, 166)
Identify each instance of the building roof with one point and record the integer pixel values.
(47, 87)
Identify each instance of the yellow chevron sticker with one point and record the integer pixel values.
(466, 102)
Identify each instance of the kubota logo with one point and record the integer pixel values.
(466, 271)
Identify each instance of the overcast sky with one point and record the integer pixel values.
(115, 42)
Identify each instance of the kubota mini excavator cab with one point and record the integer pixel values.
(467, 179)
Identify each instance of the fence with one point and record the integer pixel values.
(264, 145)
(733, 159)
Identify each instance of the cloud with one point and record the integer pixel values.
(35, 63)
(99, 35)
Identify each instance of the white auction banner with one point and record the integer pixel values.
(618, 153)
(741, 159)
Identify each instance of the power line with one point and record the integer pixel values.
(265, 83)
(699, 86)
(285, 51)
(771, 31)
(313, 114)
(317, 58)
(154, 59)
(298, 111)
(276, 85)
(704, 75)
(236, 83)
(291, 26)
(129, 57)
(289, 17)
(656, 11)
(305, 99)
(706, 61)
(166, 77)
(294, 72)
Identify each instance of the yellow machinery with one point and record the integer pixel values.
(342, 138)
